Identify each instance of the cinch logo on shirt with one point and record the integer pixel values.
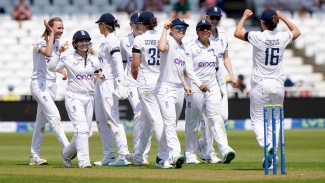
(179, 62)
(207, 64)
(84, 76)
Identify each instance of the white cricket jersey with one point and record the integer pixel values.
(126, 45)
(204, 62)
(80, 72)
(173, 64)
(40, 61)
(111, 64)
(268, 48)
(222, 45)
(149, 69)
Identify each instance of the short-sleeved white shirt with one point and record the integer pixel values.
(109, 45)
(40, 61)
(204, 62)
(268, 48)
(126, 45)
(149, 68)
(222, 45)
(80, 72)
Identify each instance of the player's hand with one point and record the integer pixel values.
(247, 13)
(65, 74)
(204, 88)
(188, 90)
(63, 47)
(100, 74)
(233, 80)
(278, 12)
(48, 28)
(168, 23)
(221, 94)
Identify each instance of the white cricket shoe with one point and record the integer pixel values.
(65, 161)
(86, 165)
(213, 159)
(130, 158)
(35, 160)
(119, 162)
(162, 164)
(104, 162)
(192, 161)
(201, 150)
(178, 161)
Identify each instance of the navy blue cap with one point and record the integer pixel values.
(214, 11)
(145, 17)
(267, 15)
(178, 21)
(81, 34)
(134, 17)
(202, 23)
(106, 18)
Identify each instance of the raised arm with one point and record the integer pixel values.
(162, 45)
(47, 51)
(239, 33)
(295, 31)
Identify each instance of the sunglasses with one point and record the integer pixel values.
(135, 22)
(179, 27)
(215, 18)
(203, 28)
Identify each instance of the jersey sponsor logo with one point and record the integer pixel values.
(207, 64)
(272, 42)
(220, 55)
(84, 76)
(179, 62)
(151, 42)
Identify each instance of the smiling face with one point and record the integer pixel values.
(57, 29)
(178, 31)
(214, 20)
(204, 32)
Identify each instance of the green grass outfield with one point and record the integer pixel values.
(305, 162)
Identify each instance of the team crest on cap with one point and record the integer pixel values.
(203, 21)
(83, 33)
(181, 19)
(215, 9)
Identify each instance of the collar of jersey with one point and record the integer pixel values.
(215, 38)
(149, 32)
(201, 45)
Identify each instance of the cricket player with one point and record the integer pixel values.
(204, 56)
(145, 68)
(267, 79)
(213, 16)
(43, 88)
(108, 92)
(126, 45)
(82, 67)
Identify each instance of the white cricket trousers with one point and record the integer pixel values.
(170, 100)
(137, 125)
(80, 109)
(210, 102)
(108, 121)
(257, 102)
(44, 92)
(154, 122)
